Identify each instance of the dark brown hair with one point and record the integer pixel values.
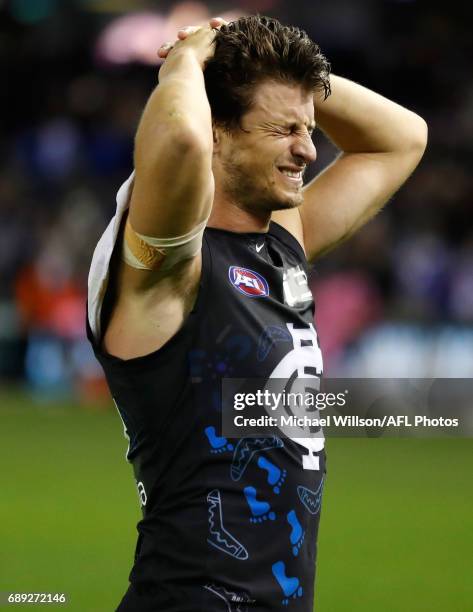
(251, 50)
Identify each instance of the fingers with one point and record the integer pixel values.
(164, 49)
(216, 22)
(183, 33)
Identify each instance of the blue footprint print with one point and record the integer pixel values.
(276, 477)
(218, 535)
(219, 444)
(246, 449)
(290, 586)
(297, 533)
(260, 510)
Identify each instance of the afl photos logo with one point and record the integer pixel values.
(248, 282)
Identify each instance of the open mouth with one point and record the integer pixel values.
(292, 175)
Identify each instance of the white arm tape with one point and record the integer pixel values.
(150, 253)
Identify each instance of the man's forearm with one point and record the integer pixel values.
(359, 120)
(178, 108)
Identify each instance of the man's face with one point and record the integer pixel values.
(263, 163)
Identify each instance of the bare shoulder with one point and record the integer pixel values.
(291, 221)
(144, 317)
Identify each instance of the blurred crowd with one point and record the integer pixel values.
(397, 300)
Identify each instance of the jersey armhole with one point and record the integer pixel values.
(288, 240)
(185, 331)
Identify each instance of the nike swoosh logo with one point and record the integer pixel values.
(259, 247)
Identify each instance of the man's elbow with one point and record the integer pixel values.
(179, 140)
(417, 141)
(190, 137)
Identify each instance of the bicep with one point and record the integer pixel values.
(173, 188)
(342, 198)
(172, 195)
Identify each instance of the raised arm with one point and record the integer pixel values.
(173, 187)
(381, 143)
(154, 283)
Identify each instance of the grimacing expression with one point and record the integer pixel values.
(264, 161)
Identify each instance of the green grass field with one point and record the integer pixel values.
(396, 532)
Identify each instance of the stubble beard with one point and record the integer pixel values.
(248, 194)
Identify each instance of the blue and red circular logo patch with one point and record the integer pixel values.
(248, 282)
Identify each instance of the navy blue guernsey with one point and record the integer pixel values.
(228, 524)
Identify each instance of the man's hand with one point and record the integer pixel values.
(199, 38)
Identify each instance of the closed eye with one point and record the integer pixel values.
(287, 130)
(306, 129)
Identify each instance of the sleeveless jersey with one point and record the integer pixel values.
(228, 524)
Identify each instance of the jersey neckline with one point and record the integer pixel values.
(275, 230)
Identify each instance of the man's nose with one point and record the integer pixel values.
(304, 148)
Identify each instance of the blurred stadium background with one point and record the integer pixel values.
(396, 301)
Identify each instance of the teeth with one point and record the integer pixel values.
(291, 174)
